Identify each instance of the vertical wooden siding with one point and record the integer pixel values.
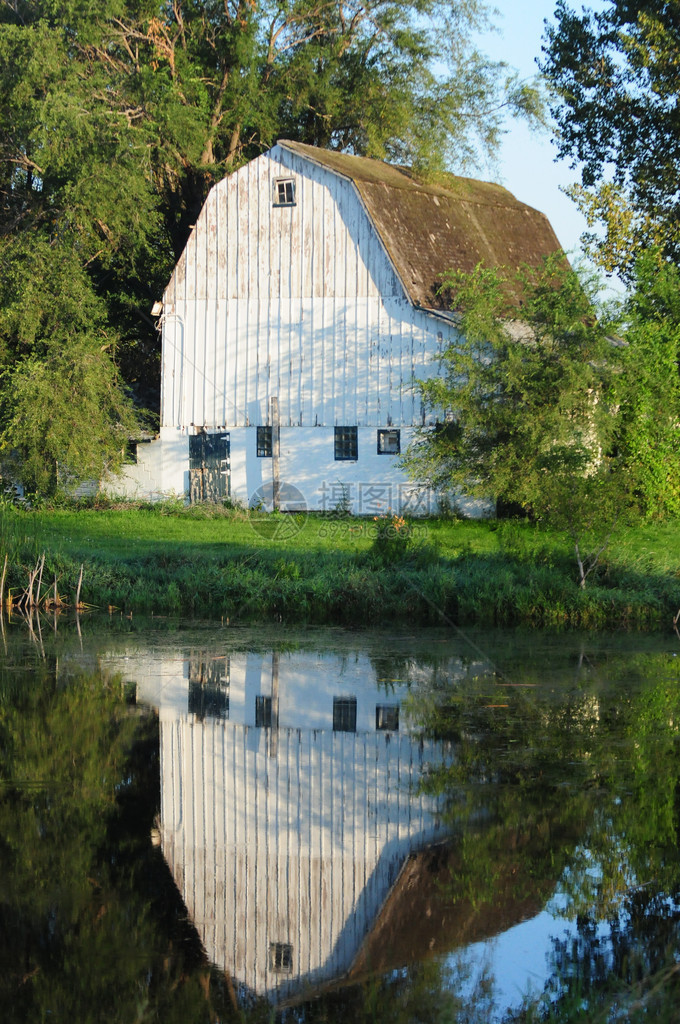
(301, 848)
(299, 302)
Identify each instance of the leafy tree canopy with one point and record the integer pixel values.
(64, 416)
(125, 102)
(545, 405)
(615, 74)
(517, 396)
(117, 116)
(527, 405)
(648, 429)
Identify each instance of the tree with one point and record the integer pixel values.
(648, 426)
(615, 74)
(117, 117)
(64, 416)
(115, 120)
(528, 406)
(178, 94)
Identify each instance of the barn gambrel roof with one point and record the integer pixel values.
(429, 228)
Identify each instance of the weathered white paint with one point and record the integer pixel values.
(300, 302)
(308, 681)
(375, 484)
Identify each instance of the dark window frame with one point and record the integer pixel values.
(284, 192)
(382, 433)
(281, 957)
(263, 712)
(264, 442)
(346, 444)
(130, 453)
(206, 701)
(344, 714)
(387, 717)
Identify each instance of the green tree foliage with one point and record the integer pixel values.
(64, 417)
(648, 431)
(528, 405)
(116, 117)
(616, 74)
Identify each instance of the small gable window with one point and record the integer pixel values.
(284, 192)
(389, 442)
(281, 957)
(264, 442)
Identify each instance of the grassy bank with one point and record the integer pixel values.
(209, 561)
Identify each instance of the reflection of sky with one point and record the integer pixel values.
(517, 960)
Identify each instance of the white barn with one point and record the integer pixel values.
(304, 306)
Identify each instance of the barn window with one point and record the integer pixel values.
(344, 714)
(284, 192)
(281, 956)
(208, 687)
(346, 444)
(389, 442)
(263, 712)
(264, 442)
(208, 701)
(387, 717)
(130, 693)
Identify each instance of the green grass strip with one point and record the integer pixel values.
(212, 562)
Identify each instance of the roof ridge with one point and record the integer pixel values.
(333, 160)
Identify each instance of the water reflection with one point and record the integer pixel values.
(306, 797)
(290, 801)
(335, 806)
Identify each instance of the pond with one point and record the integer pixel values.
(208, 822)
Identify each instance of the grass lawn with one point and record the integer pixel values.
(205, 560)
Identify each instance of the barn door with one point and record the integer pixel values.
(209, 467)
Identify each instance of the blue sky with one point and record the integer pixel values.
(526, 163)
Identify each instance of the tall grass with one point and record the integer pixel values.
(21, 533)
(204, 562)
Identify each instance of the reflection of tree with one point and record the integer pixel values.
(91, 927)
(627, 973)
(574, 782)
(577, 783)
(426, 993)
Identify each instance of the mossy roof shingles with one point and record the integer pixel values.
(431, 227)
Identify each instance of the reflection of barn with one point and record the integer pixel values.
(285, 841)
(284, 860)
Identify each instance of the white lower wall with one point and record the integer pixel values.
(310, 477)
(373, 485)
(161, 471)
